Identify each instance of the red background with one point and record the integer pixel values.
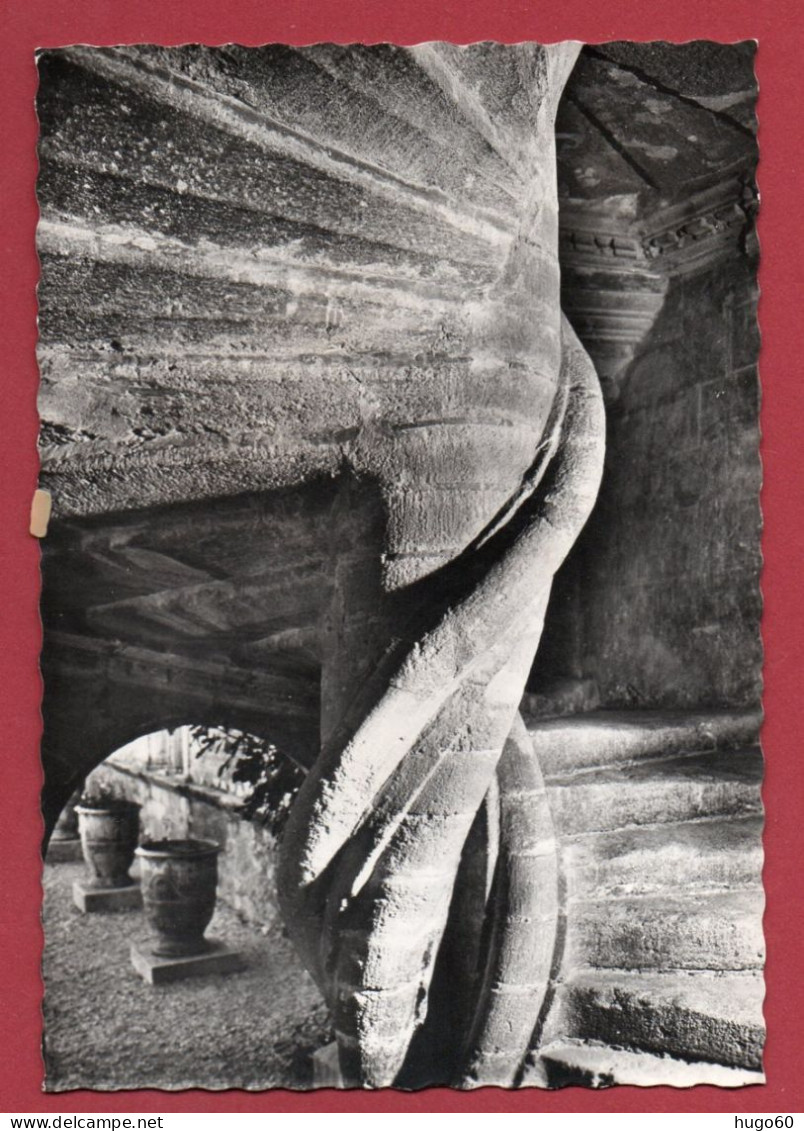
(778, 25)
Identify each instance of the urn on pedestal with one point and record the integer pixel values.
(109, 829)
(179, 880)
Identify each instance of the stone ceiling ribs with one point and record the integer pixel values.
(617, 146)
(702, 74)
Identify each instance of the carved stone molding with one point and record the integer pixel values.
(600, 247)
(613, 283)
(611, 312)
(671, 240)
(681, 238)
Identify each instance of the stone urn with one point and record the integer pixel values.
(178, 879)
(109, 832)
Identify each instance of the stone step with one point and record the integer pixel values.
(674, 789)
(265, 170)
(593, 1065)
(291, 85)
(697, 855)
(606, 738)
(689, 932)
(395, 79)
(695, 1015)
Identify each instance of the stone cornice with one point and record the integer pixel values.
(701, 228)
(609, 249)
(672, 240)
(614, 281)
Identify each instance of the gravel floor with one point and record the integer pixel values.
(105, 1028)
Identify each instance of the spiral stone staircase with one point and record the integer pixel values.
(659, 819)
(240, 294)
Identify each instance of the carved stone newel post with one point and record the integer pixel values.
(474, 467)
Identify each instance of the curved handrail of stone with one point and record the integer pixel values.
(375, 836)
(524, 917)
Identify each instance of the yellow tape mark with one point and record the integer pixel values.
(40, 513)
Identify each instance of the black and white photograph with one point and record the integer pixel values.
(401, 595)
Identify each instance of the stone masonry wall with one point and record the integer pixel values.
(660, 603)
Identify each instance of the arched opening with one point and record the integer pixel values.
(205, 782)
(257, 1028)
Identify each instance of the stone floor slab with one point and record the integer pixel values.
(158, 970)
(89, 899)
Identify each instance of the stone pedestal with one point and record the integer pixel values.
(90, 899)
(158, 970)
(65, 850)
(326, 1069)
